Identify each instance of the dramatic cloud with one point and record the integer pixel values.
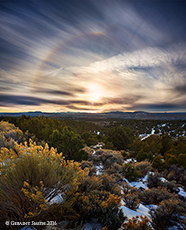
(92, 55)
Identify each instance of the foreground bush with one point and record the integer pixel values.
(169, 213)
(101, 205)
(136, 224)
(99, 197)
(31, 178)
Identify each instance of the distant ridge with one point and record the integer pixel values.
(104, 115)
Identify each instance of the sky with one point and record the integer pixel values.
(92, 55)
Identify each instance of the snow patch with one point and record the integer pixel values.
(182, 192)
(57, 199)
(130, 160)
(139, 184)
(148, 135)
(129, 213)
(99, 169)
(92, 224)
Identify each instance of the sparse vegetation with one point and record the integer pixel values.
(32, 174)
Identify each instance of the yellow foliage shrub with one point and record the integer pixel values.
(136, 224)
(31, 178)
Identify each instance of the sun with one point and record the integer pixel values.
(94, 92)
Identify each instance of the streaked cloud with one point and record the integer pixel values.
(132, 53)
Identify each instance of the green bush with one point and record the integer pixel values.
(130, 172)
(109, 145)
(158, 163)
(182, 160)
(90, 138)
(69, 143)
(121, 137)
(141, 156)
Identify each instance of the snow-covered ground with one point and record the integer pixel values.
(57, 199)
(142, 210)
(141, 183)
(130, 160)
(182, 192)
(144, 136)
(99, 169)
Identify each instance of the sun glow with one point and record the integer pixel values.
(95, 92)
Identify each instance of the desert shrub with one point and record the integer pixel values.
(106, 157)
(117, 177)
(114, 168)
(109, 157)
(125, 187)
(101, 205)
(102, 183)
(154, 195)
(171, 186)
(10, 134)
(131, 201)
(136, 224)
(143, 167)
(171, 175)
(125, 154)
(109, 184)
(169, 213)
(130, 196)
(177, 173)
(89, 183)
(99, 197)
(154, 180)
(31, 178)
(90, 166)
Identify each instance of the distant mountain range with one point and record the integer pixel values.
(105, 115)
